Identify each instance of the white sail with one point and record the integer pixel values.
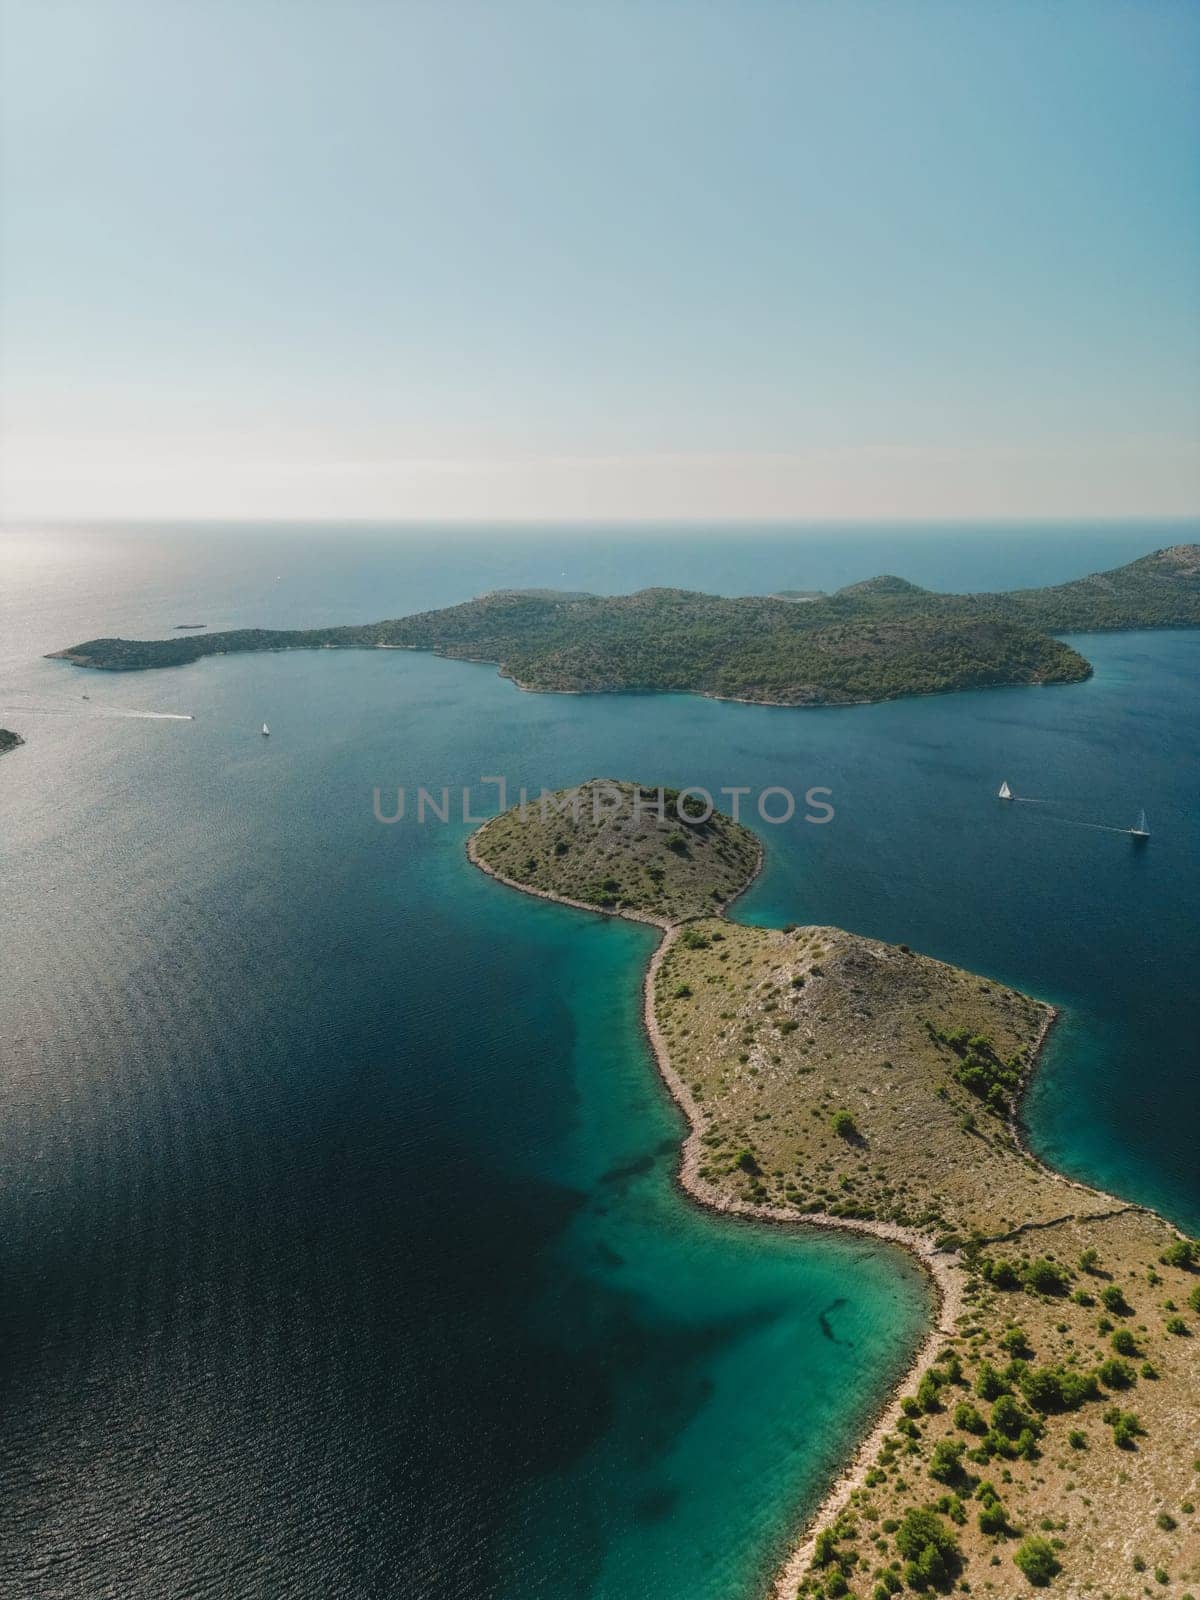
(1141, 824)
(266, 730)
(1005, 792)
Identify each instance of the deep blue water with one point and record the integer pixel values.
(339, 1245)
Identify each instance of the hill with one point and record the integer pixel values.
(617, 846)
(872, 641)
(1161, 590)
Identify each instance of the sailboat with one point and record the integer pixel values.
(266, 731)
(1141, 831)
(1005, 792)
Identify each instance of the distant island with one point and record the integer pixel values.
(9, 740)
(876, 640)
(1046, 1434)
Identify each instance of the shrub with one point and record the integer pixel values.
(745, 1161)
(1126, 1427)
(1000, 1274)
(993, 1519)
(1077, 1387)
(1041, 1387)
(1177, 1325)
(1113, 1300)
(1015, 1341)
(968, 1418)
(1057, 1388)
(824, 1547)
(989, 1385)
(1116, 1374)
(682, 991)
(951, 1506)
(1077, 1439)
(1008, 1418)
(929, 1549)
(945, 1464)
(1046, 1277)
(1089, 1260)
(1194, 1298)
(1124, 1343)
(843, 1125)
(1036, 1560)
(927, 1393)
(1180, 1253)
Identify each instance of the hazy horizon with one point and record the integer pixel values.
(600, 264)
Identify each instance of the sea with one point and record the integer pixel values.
(341, 1255)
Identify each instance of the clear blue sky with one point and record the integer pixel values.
(601, 258)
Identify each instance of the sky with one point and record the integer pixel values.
(608, 259)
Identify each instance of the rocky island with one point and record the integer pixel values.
(877, 640)
(1048, 1432)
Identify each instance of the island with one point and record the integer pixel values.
(9, 740)
(1048, 1431)
(877, 640)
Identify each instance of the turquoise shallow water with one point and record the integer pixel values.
(341, 1250)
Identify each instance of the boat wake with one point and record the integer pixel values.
(153, 716)
(86, 708)
(1139, 831)
(1102, 827)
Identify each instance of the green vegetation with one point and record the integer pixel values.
(843, 1125)
(1046, 1277)
(1179, 1253)
(871, 641)
(1035, 1558)
(930, 1550)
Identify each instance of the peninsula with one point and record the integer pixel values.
(1047, 1432)
(877, 640)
